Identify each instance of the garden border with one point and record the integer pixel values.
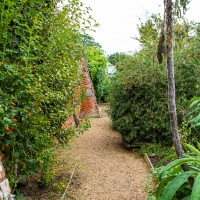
(147, 160)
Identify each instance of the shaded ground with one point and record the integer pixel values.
(105, 169)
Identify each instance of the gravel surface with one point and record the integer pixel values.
(109, 171)
(105, 170)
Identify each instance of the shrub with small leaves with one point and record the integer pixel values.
(139, 93)
(40, 53)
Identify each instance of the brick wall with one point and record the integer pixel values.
(88, 106)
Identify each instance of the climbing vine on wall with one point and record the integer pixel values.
(97, 65)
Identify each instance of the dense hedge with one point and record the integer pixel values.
(139, 102)
(40, 53)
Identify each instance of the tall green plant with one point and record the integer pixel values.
(40, 55)
(173, 181)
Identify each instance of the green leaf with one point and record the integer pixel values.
(194, 101)
(196, 189)
(198, 144)
(197, 124)
(175, 164)
(162, 186)
(174, 185)
(187, 198)
(166, 159)
(192, 149)
(194, 111)
(197, 169)
(176, 170)
(196, 119)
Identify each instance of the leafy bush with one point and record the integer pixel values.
(189, 133)
(155, 150)
(139, 107)
(137, 100)
(40, 51)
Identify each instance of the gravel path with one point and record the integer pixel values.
(109, 172)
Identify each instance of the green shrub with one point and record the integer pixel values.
(138, 97)
(139, 103)
(139, 106)
(40, 52)
(189, 133)
(155, 150)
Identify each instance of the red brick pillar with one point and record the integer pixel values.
(89, 106)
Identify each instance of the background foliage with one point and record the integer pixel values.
(97, 65)
(139, 108)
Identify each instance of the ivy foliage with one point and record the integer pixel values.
(97, 65)
(139, 108)
(40, 52)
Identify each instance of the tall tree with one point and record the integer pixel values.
(171, 79)
(171, 84)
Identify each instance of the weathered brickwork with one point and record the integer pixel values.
(89, 106)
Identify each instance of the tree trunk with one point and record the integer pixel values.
(171, 87)
(171, 80)
(76, 120)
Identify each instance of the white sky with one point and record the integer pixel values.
(118, 20)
